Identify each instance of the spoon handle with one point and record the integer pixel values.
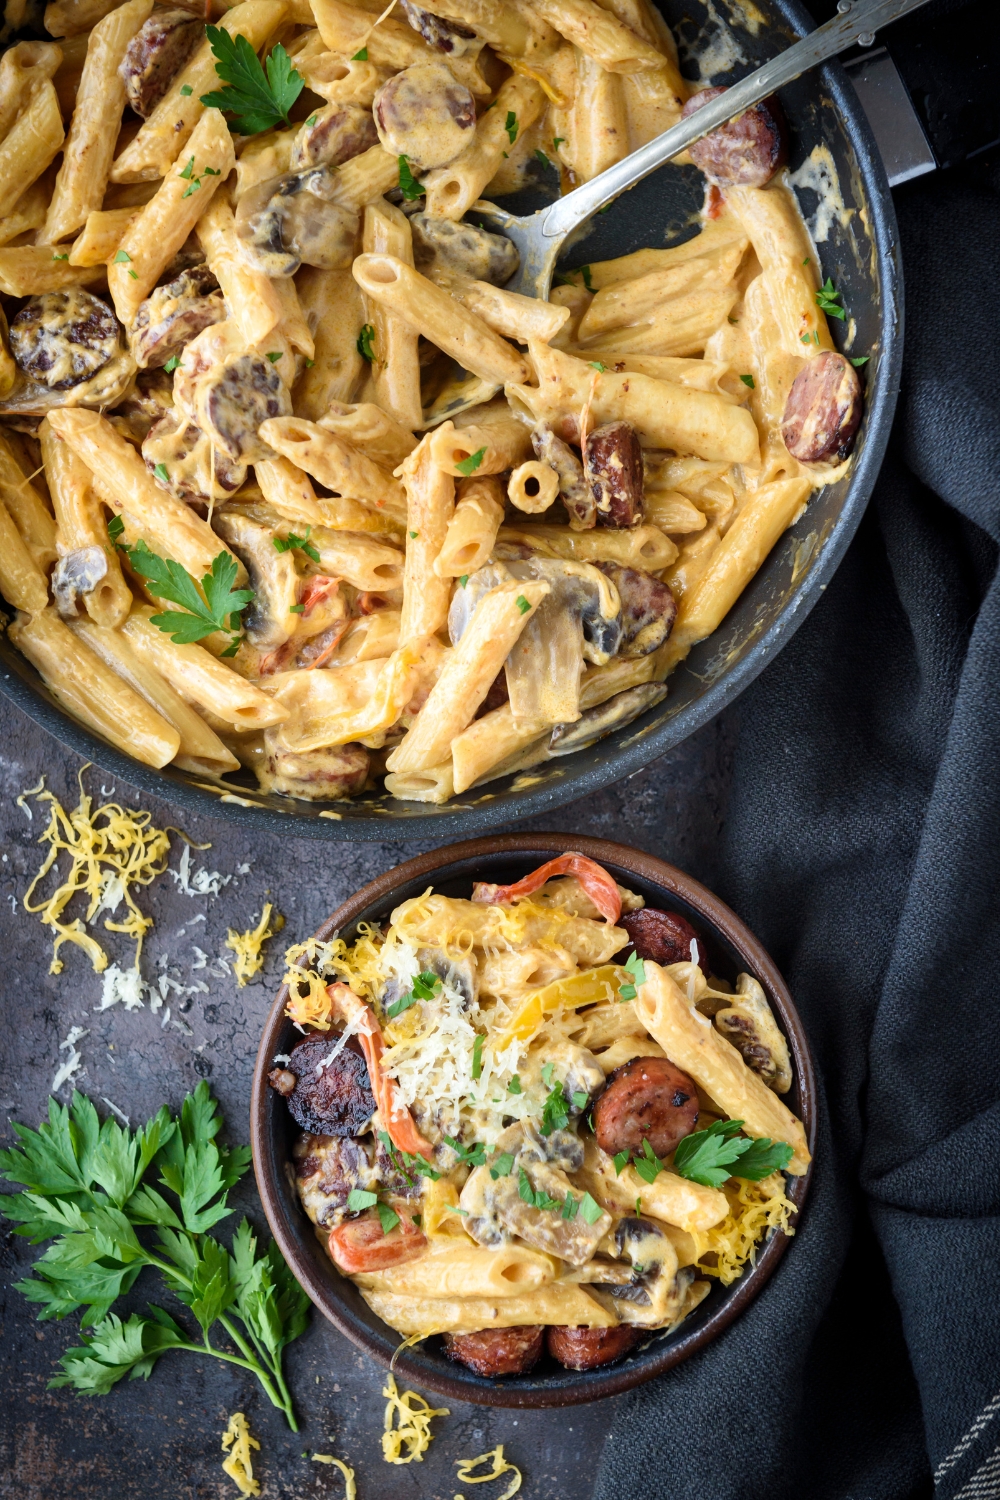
(857, 22)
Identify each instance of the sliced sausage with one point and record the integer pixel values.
(574, 490)
(647, 1099)
(497, 1351)
(747, 151)
(823, 410)
(235, 398)
(159, 49)
(612, 463)
(648, 608)
(61, 339)
(360, 1245)
(463, 247)
(291, 221)
(586, 1348)
(423, 114)
(442, 35)
(336, 133)
(172, 315)
(662, 936)
(328, 1097)
(326, 775)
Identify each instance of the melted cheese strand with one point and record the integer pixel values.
(414, 1430)
(239, 1465)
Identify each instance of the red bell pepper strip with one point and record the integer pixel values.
(597, 883)
(396, 1118)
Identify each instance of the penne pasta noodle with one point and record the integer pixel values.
(597, 124)
(507, 313)
(80, 523)
(91, 691)
(396, 368)
(472, 530)
(288, 491)
(456, 1268)
(452, 190)
(775, 229)
(599, 35)
(28, 212)
(643, 547)
(360, 560)
(343, 704)
(29, 511)
(676, 1200)
(253, 297)
(93, 131)
(334, 310)
(23, 69)
(30, 270)
(435, 784)
(22, 582)
(31, 144)
(430, 505)
(101, 236)
(70, 17)
(392, 44)
(335, 463)
(491, 431)
(370, 428)
(533, 487)
(559, 1303)
(201, 680)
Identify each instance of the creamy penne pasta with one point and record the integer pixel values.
(312, 470)
(515, 1137)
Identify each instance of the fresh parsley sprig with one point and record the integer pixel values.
(708, 1156)
(214, 605)
(424, 987)
(291, 542)
(410, 188)
(86, 1189)
(257, 101)
(555, 1111)
(634, 966)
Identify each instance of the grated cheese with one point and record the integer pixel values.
(350, 1488)
(248, 946)
(71, 1067)
(501, 1466)
(413, 1415)
(756, 1210)
(202, 882)
(122, 987)
(239, 1465)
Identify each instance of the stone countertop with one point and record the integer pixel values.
(161, 1437)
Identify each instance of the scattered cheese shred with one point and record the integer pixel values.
(248, 946)
(239, 1465)
(350, 1488)
(501, 1466)
(111, 849)
(414, 1430)
(756, 1210)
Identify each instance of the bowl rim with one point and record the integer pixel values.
(614, 1379)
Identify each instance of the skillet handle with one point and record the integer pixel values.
(856, 24)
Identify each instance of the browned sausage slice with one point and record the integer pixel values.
(497, 1351)
(612, 463)
(823, 410)
(327, 1098)
(586, 1348)
(662, 936)
(648, 608)
(747, 151)
(646, 1099)
(158, 51)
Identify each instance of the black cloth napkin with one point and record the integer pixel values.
(863, 847)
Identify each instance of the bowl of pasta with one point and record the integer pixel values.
(307, 520)
(533, 1122)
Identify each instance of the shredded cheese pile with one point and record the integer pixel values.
(248, 946)
(239, 1465)
(111, 849)
(501, 1466)
(414, 1430)
(350, 1488)
(756, 1209)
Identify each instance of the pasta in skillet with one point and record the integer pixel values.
(289, 482)
(516, 1137)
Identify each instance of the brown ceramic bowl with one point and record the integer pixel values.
(731, 948)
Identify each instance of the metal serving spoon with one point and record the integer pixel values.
(540, 236)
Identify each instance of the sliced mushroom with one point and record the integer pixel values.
(422, 113)
(332, 136)
(60, 339)
(147, 404)
(466, 598)
(326, 775)
(291, 221)
(580, 618)
(574, 491)
(76, 574)
(574, 1067)
(459, 972)
(746, 1020)
(187, 461)
(474, 252)
(595, 723)
(158, 51)
(654, 1294)
(268, 620)
(172, 315)
(442, 35)
(648, 608)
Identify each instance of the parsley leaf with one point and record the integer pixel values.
(256, 101)
(215, 606)
(707, 1155)
(570, 1206)
(540, 154)
(748, 381)
(122, 257)
(398, 1006)
(361, 56)
(620, 1160)
(514, 1087)
(534, 1197)
(366, 342)
(511, 127)
(410, 188)
(472, 1156)
(522, 604)
(828, 301)
(292, 542)
(115, 527)
(557, 141)
(863, 360)
(425, 984)
(160, 471)
(764, 1157)
(388, 1217)
(358, 1199)
(61, 257)
(172, 363)
(590, 1209)
(648, 1165)
(547, 1071)
(580, 1099)
(555, 1112)
(634, 966)
(595, 364)
(502, 1165)
(469, 465)
(585, 273)
(464, 580)
(477, 1055)
(406, 1164)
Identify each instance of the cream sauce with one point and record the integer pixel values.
(819, 173)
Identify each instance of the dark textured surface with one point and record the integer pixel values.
(159, 1439)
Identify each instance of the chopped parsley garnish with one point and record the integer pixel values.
(555, 1112)
(291, 543)
(358, 1199)
(534, 1197)
(61, 257)
(708, 1155)
(502, 1165)
(595, 364)
(257, 100)
(407, 1164)
(471, 1156)
(748, 381)
(580, 1099)
(522, 604)
(398, 1006)
(806, 261)
(172, 363)
(590, 1209)
(862, 360)
(648, 1165)
(311, 121)
(410, 188)
(186, 91)
(115, 527)
(570, 1206)
(296, 609)
(414, 535)
(620, 1160)
(514, 1087)
(634, 966)
(464, 580)
(542, 157)
(160, 470)
(547, 1071)
(206, 607)
(452, 1209)
(366, 344)
(122, 257)
(388, 1217)
(557, 141)
(469, 465)
(273, 355)
(585, 273)
(477, 1055)
(425, 984)
(828, 301)
(638, 1207)
(510, 125)
(764, 1157)
(361, 56)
